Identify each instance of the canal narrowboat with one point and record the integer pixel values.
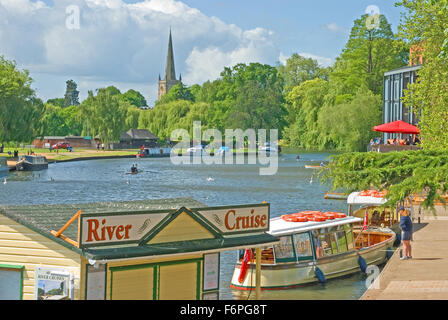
(4, 169)
(372, 203)
(32, 163)
(313, 247)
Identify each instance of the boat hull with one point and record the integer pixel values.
(26, 166)
(292, 275)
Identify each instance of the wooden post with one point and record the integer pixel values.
(258, 273)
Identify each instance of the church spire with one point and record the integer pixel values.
(170, 72)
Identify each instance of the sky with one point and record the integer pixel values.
(124, 42)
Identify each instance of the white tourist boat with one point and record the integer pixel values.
(313, 251)
(373, 203)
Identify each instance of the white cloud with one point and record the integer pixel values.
(125, 43)
(254, 46)
(323, 61)
(334, 27)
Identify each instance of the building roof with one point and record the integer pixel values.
(403, 69)
(141, 134)
(43, 218)
(170, 71)
(125, 137)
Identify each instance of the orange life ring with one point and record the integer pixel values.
(318, 218)
(330, 215)
(294, 218)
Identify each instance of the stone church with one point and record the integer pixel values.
(169, 80)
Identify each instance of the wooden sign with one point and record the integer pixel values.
(238, 219)
(104, 229)
(114, 228)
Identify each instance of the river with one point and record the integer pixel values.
(294, 188)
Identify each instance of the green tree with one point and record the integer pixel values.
(368, 53)
(304, 103)
(71, 97)
(401, 173)
(177, 92)
(425, 25)
(105, 114)
(135, 98)
(348, 126)
(20, 109)
(299, 69)
(59, 102)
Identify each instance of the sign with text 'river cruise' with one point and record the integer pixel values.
(106, 229)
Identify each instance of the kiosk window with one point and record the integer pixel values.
(11, 281)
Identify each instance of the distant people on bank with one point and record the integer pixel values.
(97, 147)
(322, 164)
(102, 146)
(1, 148)
(406, 233)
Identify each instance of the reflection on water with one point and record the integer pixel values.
(292, 189)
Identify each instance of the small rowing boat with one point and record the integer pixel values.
(313, 167)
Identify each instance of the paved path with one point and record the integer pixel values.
(425, 276)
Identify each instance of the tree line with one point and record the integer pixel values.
(313, 107)
(424, 27)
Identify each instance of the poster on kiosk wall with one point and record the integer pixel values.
(52, 284)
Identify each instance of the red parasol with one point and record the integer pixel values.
(397, 127)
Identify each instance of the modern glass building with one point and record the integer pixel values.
(395, 82)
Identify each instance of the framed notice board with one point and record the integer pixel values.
(211, 272)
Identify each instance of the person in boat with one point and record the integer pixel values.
(406, 233)
(375, 218)
(134, 168)
(322, 164)
(317, 245)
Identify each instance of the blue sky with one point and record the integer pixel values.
(124, 42)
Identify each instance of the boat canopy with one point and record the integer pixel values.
(280, 227)
(356, 199)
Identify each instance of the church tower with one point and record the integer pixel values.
(169, 80)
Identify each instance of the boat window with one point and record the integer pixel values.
(284, 250)
(302, 243)
(325, 241)
(341, 241)
(349, 236)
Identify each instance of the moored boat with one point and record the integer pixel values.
(31, 163)
(372, 203)
(307, 166)
(4, 169)
(313, 247)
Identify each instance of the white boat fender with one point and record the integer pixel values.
(362, 264)
(319, 274)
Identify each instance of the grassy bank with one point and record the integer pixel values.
(64, 155)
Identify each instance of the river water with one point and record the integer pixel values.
(294, 188)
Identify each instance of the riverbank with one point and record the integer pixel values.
(80, 155)
(425, 276)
